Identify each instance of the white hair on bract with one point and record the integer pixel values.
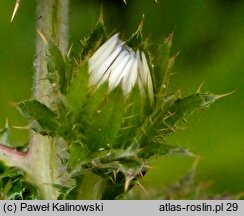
(118, 64)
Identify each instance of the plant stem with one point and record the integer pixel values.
(43, 165)
(11, 157)
(52, 18)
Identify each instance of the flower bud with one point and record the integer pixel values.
(118, 64)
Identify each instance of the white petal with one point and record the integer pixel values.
(130, 79)
(104, 52)
(117, 68)
(128, 68)
(97, 74)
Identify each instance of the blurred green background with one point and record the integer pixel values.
(210, 37)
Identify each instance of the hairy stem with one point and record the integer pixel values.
(52, 18)
(43, 165)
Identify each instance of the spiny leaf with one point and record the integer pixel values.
(56, 67)
(65, 192)
(132, 117)
(123, 180)
(120, 168)
(168, 100)
(155, 149)
(184, 107)
(94, 99)
(164, 121)
(78, 89)
(108, 160)
(106, 121)
(77, 153)
(136, 39)
(76, 121)
(90, 186)
(14, 186)
(11, 173)
(163, 65)
(153, 122)
(96, 37)
(34, 110)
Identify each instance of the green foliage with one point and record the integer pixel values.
(105, 121)
(44, 119)
(163, 62)
(56, 67)
(13, 185)
(94, 40)
(108, 134)
(136, 40)
(79, 84)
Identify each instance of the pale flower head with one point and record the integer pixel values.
(118, 64)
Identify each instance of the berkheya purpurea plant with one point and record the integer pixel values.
(98, 116)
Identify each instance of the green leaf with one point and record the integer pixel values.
(88, 186)
(164, 120)
(136, 40)
(64, 191)
(132, 117)
(120, 168)
(77, 153)
(106, 121)
(34, 110)
(74, 122)
(96, 37)
(184, 107)
(56, 67)
(35, 126)
(77, 92)
(13, 185)
(163, 67)
(156, 149)
(95, 99)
